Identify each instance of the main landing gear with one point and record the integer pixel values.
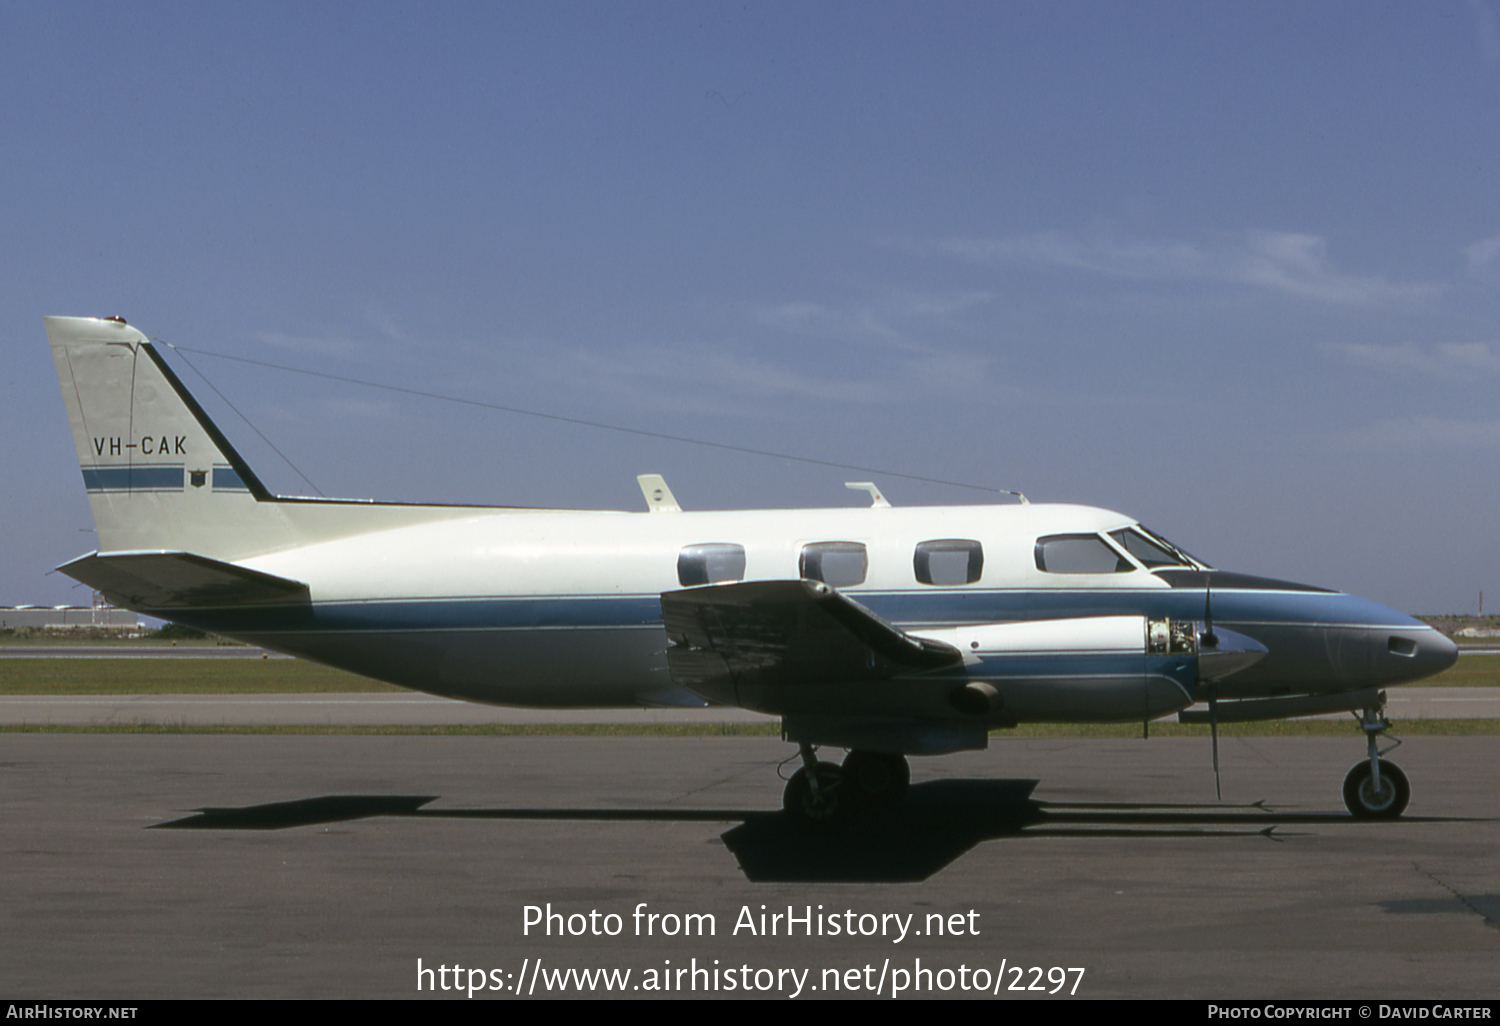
(823, 795)
(1375, 789)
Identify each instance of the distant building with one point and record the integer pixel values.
(101, 615)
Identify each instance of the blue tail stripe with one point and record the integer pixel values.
(134, 478)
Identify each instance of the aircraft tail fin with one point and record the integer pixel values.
(160, 475)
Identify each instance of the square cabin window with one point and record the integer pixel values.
(949, 561)
(711, 563)
(840, 563)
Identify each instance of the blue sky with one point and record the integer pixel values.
(1233, 269)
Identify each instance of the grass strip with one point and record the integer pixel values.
(180, 677)
(24, 676)
(1275, 728)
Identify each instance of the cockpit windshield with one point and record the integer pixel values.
(1151, 549)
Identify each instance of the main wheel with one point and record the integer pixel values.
(1366, 801)
(829, 807)
(877, 777)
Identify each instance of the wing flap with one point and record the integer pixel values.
(777, 633)
(179, 580)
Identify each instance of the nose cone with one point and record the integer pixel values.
(1319, 640)
(1394, 654)
(1413, 655)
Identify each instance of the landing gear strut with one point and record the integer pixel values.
(1375, 789)
(815, 797)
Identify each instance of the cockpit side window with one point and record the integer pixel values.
(839, 563)
(1079, 554)
(710, 563)
(949, 561)
(1188, 559)
(1144, 549)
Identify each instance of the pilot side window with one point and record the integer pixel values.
(948, 561)
(1079, 554)
(1148, 552)
(841, 564)
(711, 563)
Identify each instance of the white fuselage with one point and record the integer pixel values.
(563, 608)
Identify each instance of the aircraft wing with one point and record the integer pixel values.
(776, 633)
(175, 580)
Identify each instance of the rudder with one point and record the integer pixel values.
(159, 473)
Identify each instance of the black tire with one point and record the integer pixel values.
(1365, 802)
(829, 809)
(879, 779)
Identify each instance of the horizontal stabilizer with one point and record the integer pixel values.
(786, 632)
(178, 580)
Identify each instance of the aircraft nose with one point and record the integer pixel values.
(1435, 651)
(1396, 656)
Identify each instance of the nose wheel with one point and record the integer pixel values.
(1369, 797)
(1374, 788)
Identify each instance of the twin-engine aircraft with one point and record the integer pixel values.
(888, 632)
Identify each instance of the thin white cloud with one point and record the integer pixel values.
(899, 364)
(1474, 356)
(384, 340)
(819, 321)
(1417, 435)
(339, 346)
(1291, 263)
(717, 378)
(1487, 29)
(1484, 256)
(1445, 360)
(896, 321)
(939, 305)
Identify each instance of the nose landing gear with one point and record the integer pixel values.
(1375, 789)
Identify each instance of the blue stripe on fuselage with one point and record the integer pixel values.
(909, 609)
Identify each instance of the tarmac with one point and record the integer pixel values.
(173, 866)
(163, 866)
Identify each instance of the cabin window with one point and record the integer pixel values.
(1079, 554)
(1142, 548)
(711, 563)
(947, 561)
(842, 564)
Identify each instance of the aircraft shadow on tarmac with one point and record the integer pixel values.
(932, 827)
